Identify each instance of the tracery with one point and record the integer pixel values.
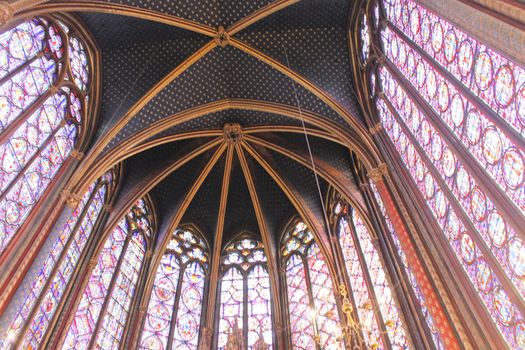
(369, 282)
(174, 311)
(452, 108)
(45, 84)
(101, 315)
(245, 294)
(42, 299)
(312, 308)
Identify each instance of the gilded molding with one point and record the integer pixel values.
(222, 38)
(71, 199)
(6, 12)
(377, 174)
(233, 133)
(77, 154)
(376, 128)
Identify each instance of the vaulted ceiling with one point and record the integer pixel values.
(174, 73)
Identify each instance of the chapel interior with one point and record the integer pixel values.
(262, 174)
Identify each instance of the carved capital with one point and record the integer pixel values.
(232, 133)
(92, 263)
(377, 174)
(77, 154)
(376, 128)
(6, 12)
(71, 199)
(222, 38)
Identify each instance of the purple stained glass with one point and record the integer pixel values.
(231, 304)
(436, 337)
(359, 288)
(301, 327)
(184, 262)
(109, 286)
(481, 275)
(37, 120)
(245, 294)
(480, 209)
(312, 313)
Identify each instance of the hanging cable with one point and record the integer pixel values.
(327, 223)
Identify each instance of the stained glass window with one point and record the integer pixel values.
(311, 302)
(423, 307)
(101, 316)
(453, 109)
(41, 300)
(174, 311)
(41, 113)
(245, 294)
(362, 257)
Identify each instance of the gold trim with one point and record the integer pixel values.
(261, 13)
(377, 174)
(118, 9)
(91, 169)
(6, 12)
(263, 228)
(374, 130)
(294, 198)
(217, 243)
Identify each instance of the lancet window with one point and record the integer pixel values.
(174, 311)
(245, 311)
(45, 85)
(100, 317)
(312, 308)
(452, 108)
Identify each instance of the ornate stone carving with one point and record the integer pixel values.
(77, 154)
(235, 338)
(376, 128)
(377, 174)
(232, 133)
(71, 199)
(222, 38)
(6, 12)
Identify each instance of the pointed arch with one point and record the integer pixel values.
(174, 310)
(312, 307)
(101, 315)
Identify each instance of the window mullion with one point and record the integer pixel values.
(458, 209)
(22, 171)
(509, 131)
(311, 297)
(57, 265)
(508, 208)
(110, 291)
(18, 69)
(369, 284)
(175, 309)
